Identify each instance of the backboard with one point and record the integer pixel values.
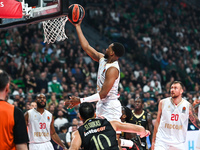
(35, 11)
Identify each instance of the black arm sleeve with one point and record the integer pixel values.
(19, 130)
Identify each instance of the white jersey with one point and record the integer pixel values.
(109, 107)
(173, 122)
(103, 67)
(39, 126)
(198, 139)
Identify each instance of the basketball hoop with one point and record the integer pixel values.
(54, 29)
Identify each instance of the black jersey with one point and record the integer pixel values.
(98, 134)
(140, 120)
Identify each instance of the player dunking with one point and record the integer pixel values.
(108, 105)
(172, 120)
(40, 127)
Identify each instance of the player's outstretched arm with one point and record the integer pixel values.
(111, 75)
(193, 117)
(157, 124)
(76, 141)
(96, 56)
(55, 136)
(131, 128)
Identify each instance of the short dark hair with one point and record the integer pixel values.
(119, 49)
(86, 110)
(63, 128)
(4, 79)
(178, 82)
(128, 113)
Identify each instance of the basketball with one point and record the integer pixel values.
(76, 13)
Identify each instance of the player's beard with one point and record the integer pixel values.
(106, 56)
(174, 95)
(40, 105)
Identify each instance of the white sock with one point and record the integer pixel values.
(126, 143)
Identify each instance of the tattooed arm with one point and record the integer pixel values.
(193, 117)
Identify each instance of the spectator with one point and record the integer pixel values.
(137, 71)
(21, 103)
(12, 69)
(30, 83)
(146, 87)
(47, 48)
(156, 84)
(51, 109)
(130, 104)
(16, 96)
(52, 100)
(155, 73)
(60, 107)
(153, 107)
(54, 86)
(17, 58)
(60, 121)
(93, 74)
(21, 71)
(29, 98)
(164, 78)
(62, 135)
(42, 83)
(33, 105)
(147, 97)
(69, 134)
(74, 122)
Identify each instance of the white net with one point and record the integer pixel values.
(54, 29)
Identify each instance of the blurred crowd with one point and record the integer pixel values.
(162, 45)
(161, 38)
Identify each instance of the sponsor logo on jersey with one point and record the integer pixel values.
(39, 134)
(173, 126)
(95, 130)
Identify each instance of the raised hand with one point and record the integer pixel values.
(72, 102)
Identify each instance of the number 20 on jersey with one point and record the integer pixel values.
(174, 117)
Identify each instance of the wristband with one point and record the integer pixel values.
(92, 98)
(126, 143)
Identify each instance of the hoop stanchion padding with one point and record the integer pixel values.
(54, 29)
